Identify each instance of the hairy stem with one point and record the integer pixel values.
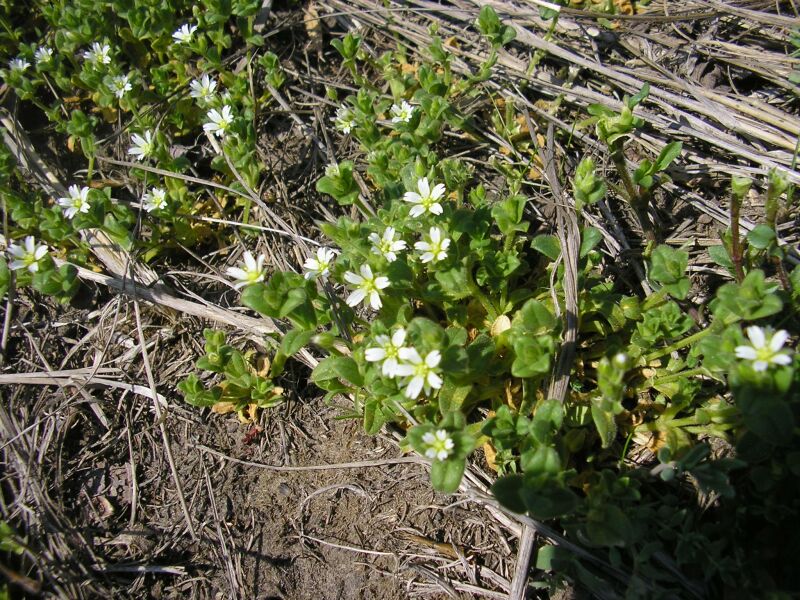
(638, 202)
(736, 246)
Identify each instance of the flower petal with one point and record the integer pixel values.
(351, 277)
(433, 358)
(375, 300)
(782, 359)
(778, 340)
(410, 355)
(414, 387)
(356, 297)
(374, 354)
(756, 335)
(746, 352)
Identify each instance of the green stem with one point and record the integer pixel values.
(736, 246)
(491, 310)
(687, 341)
(655, 299)
(675, 376)
(654, 425)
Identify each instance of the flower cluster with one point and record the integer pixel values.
(27, 256)
(345, 120)
(184, 34)
(398, 360)
(249, 272)
(99, 54)
(143, 146)
(18, 64)
(203, 89)
(387, 245)
(43, 55)
(319, 266)
(425, 199)
(401, 113)
(438, 444)
(76, 202)
(366, 286)
(219, 121)
(763, 351)
(121, 85)
(155, 199)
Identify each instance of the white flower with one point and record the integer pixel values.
(763, 351)
(321, 265)
(332, 170)
(43, 55)
(120, 85)
(421, 373)
(402, 113)
(27, 256)
(387, 245)
(434, 248)
(18, 64)
(99, 54)
(183, 35)
(218, 121)
(366, 286)
(440, 445)
(155, 199)
(344, 120)
(142, 146)
(387, 351)
(77, 201)
(203, 89)
(425, 199)
(251, 271)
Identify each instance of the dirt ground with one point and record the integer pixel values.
(264, 525)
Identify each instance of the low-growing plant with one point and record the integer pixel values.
(437, 304)
(244, 385)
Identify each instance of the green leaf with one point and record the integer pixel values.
(5, 276)
(543, 460)
(606, 425)
(508, 491)
(587, 187)
(8, 539)
(720, 256)
(446, 474)
(767, 416)
(531, 356)
(194, 392)
(338, 367)
(669, 153)
(590, 238)
(607, 525)
(509, 213)
(454, 282)
(550, 412)
(751, 300)
(426, 334)
(291, 344)
(451, 396)
(638, 97)
(294, 340)
(668, 267)
(547, 245)
(534, 318)
(548, 500)
(761, 237)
